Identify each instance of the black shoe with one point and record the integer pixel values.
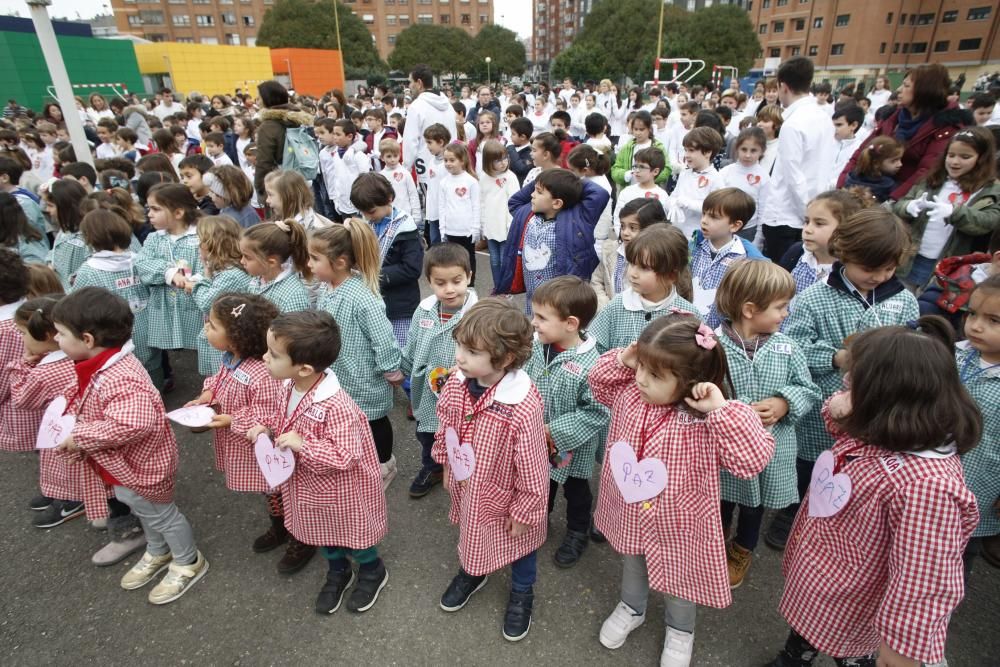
(39, 503)
(781, 525)
(517, 620)
(60, 511)
(275, 536)
(425, 480)
(597, 535)
(461, 589)
(370, 584)
(572, 547)
(332, 593)
(296, 557)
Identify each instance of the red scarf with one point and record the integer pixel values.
(84, 374)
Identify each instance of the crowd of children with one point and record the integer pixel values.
(708, 326)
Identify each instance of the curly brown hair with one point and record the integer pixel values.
(246, 319)
(499, 328)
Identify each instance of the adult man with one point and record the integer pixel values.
(484, 102)
(166, 107)
(426, 109)
(13, 109)
(567, 90)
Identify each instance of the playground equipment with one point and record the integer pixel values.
(721, 72)
(117, 89)
(684, 69)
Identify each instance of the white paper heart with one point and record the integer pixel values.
(637, 480)
(55, 426)
(194, 416)
(276, 464)
(828, 492)
(461, 458)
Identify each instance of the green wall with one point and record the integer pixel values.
(23, 74)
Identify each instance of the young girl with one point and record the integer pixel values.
(345, 259)
(587, 162)
(609, 277)
(276, 255)
(231, 191)
(769, 119)
(955, 206)
(669, 409)
(69, 251)
(545, 152)
(657, 261)
(641, 128)
(539, 115)
(876, 566)
(497, 184)
(498, 497)
(768, 372)
(746, 173)
(167, 145)
(861, 292)
(244, 128)
(219, 248)
(290, 197)
(487, 129)
(876, 167)
(458, 202)
(37, 377)
(20, 236)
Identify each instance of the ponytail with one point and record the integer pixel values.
(285, 239)
(356, 241)
(586, 157)
(35, 315)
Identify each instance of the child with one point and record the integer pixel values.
(244, 129)
(717, 245)
(899, 533)
(657, 261)
(546, 150)
(430, 348)
(333, 497)
(591, 164)
(698, 179)
(609, 277)
(250, 170)
(669, 409)
(69, 251)
(487, 129)
(647, 164)
(436, 137)
(349, 161)
(14, 284)
(325, 185)
(106, 129)
(519, 149)
(401, 253)
(491, 407)
(192, 170)
(597, 126)
(861, 292)
(215, 149)
(747, 174)
(561, 357)
(957, 202)
(876, 165)
(954, 279)
(661, 132)
(11, 172)
(982, 105)
(377, 133)
(18, 235)
(276, 256)
(231, 192)
(458, 203)
(164, 142)
(345, 259)
(641, 128)
(125, 139)
(848, 120)
(768, 372)
(497, 184)
(407, 199)
(290, 197)
(122, 438)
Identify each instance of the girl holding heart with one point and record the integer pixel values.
(673, 431)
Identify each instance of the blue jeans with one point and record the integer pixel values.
(426, 441)
(522, 573)
(496, 258)
(920, 272)
(433, 232)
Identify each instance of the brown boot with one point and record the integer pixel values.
(275, 536)
(737, 562)
(297, 555)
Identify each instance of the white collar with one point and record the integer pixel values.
(810, 260)
(734, 247)
(990, 371)
(512, 388)
(7, 312)
(52, 357)
(586, 345)
(109, 260)
(192, 230)
(470, 300)
(632, 301)
(327, 388)
(940, 453)
(277, 279)
(621, 249)
(126, 348)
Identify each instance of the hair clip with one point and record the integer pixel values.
(966, 133)
(238, 310)
(705, 337)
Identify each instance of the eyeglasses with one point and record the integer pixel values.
(640, 167)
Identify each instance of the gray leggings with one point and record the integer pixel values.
(680, 613)
(166, 529)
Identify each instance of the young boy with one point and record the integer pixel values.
(324, 197)
(81, 172)
(215, 149)
(561, 358)
(436, 137)
(660, 129)
(430, 349)
(491, 443)
(519, 148)
(597, 127)
(982, 105)
(10, 175)
(192, 169)
(106, 128)
(349, 160)
(847, 130)
(44, 162)
(122, 437)
(697, 181)
(195, 115)
(334, 496)
(646, 166)
(125, 138)
(675, 146)
(377, 131)
(407, 198)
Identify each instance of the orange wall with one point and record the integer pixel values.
(313, 71)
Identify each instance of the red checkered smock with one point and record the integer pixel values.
(14, 429)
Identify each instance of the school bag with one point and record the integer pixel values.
(954, 275)
(301, 153)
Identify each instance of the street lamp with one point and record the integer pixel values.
(488, 61)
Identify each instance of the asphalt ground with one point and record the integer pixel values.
(56, 608)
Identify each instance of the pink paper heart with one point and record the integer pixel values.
(398, 176)
(55, 426)
(194, 416)
(461, 191)
(702, 181)
(501, 182)
(637, 480)
(828, 492)
(461, 457)
(651, 195)
(276, 464)
(753, 179)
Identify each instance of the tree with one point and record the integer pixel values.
(445, 49)
(505, 50)
(309, 24)
(581, 62)
(719, 35)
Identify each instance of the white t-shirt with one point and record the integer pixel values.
(938, 231)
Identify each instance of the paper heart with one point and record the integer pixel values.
(702, 181)
(829, 492)
(194, 416)
(753, 179)
(277, 465)
(461, 191)
(957, 197)
(637, 480)
(501, 182)
(651, 195)
(399, 176)
(461, 458)
(55, 426)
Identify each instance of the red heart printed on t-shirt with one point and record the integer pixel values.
(501, 182)
(399, 176)
(957, 198)
(753, 179)
(702, 181)
(651, 195)
(430, 172)
(460, 191)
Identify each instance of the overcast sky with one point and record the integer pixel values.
(514, 14)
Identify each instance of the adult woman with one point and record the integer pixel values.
(98, 108)
(52, 113)
(924, 123)
(276, 117)
(134, 117)
(879, 95)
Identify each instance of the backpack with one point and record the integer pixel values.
(301, 153)
(954, 275)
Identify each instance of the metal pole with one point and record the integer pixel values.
(340, 49)
(60, 79)
(659, 47)
(489, 81)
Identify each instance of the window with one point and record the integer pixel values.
(133, 20)
(369, 19)
(913, 19)
(181, 19)
(248, 21)
(888, 17)
(925, 19)
(918, 47)
(902, 19)
(794, 51)
(151, 18)
(423, 2)
(483, 18)
(978, 13)
(390, 19)
(813, 50)
(969, 44)
(941, 46)
(779, 26)
(184, 40)
(205, 20)
(209, 40)
(762, 29)
(232, 39)
(800, 24)
(391, 39)
(466, 19)
(228, 18)
(782, 3)
(842, 20)
(881, 48)
(444, 19)
(895, 47)
(425, 19)
(404, 19)
(836, 49)
(818, 22)
(775, 52)
(764, 5)
(157, 37)
(949, 17)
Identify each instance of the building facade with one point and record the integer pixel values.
(385, 19)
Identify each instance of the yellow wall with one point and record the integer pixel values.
(206, 68)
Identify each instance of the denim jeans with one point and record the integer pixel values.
(920, 272)
(426, 441)
(433, 232)
(522, 573)
(496, 259)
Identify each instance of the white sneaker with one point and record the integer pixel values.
(388, 470)
(178, 580)
(617, 627)
(145, 570)
(677, 648)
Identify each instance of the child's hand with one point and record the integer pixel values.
(221, 421)
(255, 432)
(444, 479)
(771, 410)
(395, 378)
(179, 280)
(840, 404)
(516, 529)
(889, 658)
(188, 286)
(705, 397)
(32, 359)
(628, 356)
(841, 358)
(202, 399)
(68, 445)
(290, 440)
(549, 441)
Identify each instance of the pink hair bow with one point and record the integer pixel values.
(705, 337)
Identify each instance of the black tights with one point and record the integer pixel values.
(382, 432)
